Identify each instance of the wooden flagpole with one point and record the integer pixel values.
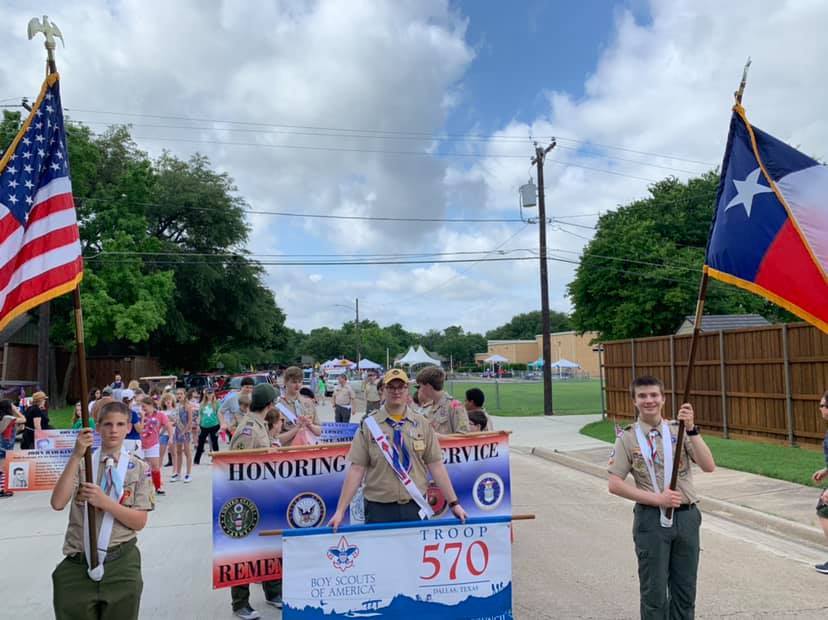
(50, 31)
(688, 377)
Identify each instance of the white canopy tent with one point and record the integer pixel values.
(366, 364)
(496, 359)
(566, 365)
(418, 356)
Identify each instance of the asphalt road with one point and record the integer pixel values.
(574, 561)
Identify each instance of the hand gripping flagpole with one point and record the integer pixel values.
(694, 341)
(50, 31)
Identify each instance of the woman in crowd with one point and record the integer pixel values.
(209, 423)
(37, 418)
(77, 420)
(94, 395)
(183, 440)
(154, 421)
(166, 403)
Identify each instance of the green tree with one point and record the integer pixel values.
(639, 274)
(528, 325)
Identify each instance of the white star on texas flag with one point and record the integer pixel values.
(746, 190)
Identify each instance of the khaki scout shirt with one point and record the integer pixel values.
(381, 483)
(371, 392)
(300, 407)
(251, 433)
(626, 457)
(138, 493)
(447, 416)
(344, 395)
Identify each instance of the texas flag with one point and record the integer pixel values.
(770, 229)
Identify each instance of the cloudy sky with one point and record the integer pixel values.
(428, 109)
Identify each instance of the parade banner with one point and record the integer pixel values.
(61, 439)
(338, 432)
(35, 470)
(39, 469)
(436, 570)
(298, 488)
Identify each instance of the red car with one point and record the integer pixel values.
(234, 382)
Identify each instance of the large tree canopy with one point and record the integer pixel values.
(639, 275)
(165, 268)
(528, 325)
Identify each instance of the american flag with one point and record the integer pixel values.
(40, 253)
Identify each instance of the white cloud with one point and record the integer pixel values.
(664, 87)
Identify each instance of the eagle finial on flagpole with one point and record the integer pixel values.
(50, 31)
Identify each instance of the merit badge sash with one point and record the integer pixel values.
(394, 460)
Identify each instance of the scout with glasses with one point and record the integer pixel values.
(394, 451)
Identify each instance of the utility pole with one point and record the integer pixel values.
(540, 155)
(358, 338)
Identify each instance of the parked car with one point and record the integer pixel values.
(234, 382)
(199, 381)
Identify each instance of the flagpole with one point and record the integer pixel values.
(50, 31)
(694, 341)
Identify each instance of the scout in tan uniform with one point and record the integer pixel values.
(668, 553)
(307, 426)
(447, 415)
(253, 432)
(113, 590)
(415, 448)
(372, 397)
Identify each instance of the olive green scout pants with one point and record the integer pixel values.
(116, 597)
(668, 562)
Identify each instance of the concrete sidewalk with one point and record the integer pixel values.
(783, 508)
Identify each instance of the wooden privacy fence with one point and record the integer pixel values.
(762, 382)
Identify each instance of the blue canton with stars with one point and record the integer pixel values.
(39, 157)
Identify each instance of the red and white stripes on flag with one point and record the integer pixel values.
(40, 252)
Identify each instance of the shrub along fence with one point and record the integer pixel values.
(761, 382)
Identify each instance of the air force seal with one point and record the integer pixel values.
(238, 517)
(306, 510)
(488, 491)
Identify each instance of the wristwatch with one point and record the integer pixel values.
(454, 503)
(693, 432)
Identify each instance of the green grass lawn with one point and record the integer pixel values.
(61, 418)
(526, 399)
(773, 461)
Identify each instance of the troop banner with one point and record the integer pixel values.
(290, 488)
(429, 569)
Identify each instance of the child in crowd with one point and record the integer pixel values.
(133, 438)
(111, 590)
(301, 425)
(274, 426)
(210, 424)
(166, 403)
(10, 418)
(183, 440)
(77, 420)
(154, 420)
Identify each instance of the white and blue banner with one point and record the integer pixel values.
(435, 570)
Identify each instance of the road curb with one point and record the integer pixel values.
(742, 515)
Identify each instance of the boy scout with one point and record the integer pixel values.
(668, 553)
(113, 588)
(447, 415)
(253, 432)
(306, 427)
(394, 450)
(372, 397)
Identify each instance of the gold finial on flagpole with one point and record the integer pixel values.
(738, 94)
(50, 31)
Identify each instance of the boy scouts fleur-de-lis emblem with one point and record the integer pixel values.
(343, 555)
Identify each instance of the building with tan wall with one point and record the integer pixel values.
(568, 345)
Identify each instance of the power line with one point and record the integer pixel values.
(390, 132)
(369, 136)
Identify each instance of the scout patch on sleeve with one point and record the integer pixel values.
(611, 458)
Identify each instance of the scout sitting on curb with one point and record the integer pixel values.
(447, 415)
(253, 432)
(113, 589)
(667, 550)
(393, 451)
